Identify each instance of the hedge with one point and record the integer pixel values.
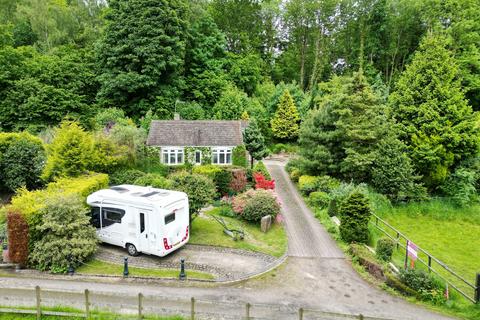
(307, 184)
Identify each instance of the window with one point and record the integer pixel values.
(172, 156)
(111, 216)
(222, 155)
(198, 157)
(170, 217)
(95, 217)
(142, 222)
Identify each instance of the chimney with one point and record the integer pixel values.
(176, 116)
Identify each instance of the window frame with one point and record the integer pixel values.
(173, 153)
(105, 221)
(222, 152)
(171, 214)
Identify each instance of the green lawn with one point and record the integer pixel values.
(104, 268)
(13, 316)
(207, 231)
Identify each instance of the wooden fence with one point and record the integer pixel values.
(40, 309)
(468, 289)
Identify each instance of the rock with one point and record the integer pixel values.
(266, 223)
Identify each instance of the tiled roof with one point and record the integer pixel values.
(196, 133)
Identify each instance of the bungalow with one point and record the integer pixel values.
(197, 141)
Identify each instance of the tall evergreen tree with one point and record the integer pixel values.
(285, 122)
(436, 122)
(141, 55)
(254, 142)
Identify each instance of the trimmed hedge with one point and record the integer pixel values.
(307, 184)
(385, 248)
(208, 170)
(128, 176)
(154, 180)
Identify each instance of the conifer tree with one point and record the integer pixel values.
(355, 213)
(436, 122)
(254, 142)
(285, 123)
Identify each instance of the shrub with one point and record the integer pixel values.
(128, 176)
(208, 170)
(131, 138)
(22, 160)
(460, 186)
(260, 167)
(240, 201)
(17, 238)
(262, 203)
(153, 180)
(200, 190)
(319, 199)
(307, 184)
(107, 156)
(326, 183)
(339, 194)
(424, 284)
(355, 213)
(223, 179)
(367, 260)
(333, 208)
(262, 183)
(109, 117)
(239, 181)
(295, 175)
(385, 248)
(66, 236)
(239, 156)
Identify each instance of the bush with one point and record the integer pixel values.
(17, 238)
(128, 176)
(295, 175)
(108, 156)
(109, 117)
(66, 236)
(240, 201)
(153, 180)
(239, 181)
(131, 138)
(222, 180)
(333, 208)
(460, 186)
(427, 287)
(239, 156)
(262, 203)
(307, 184)
(326, 183)
(22, 160)
(200, 190)
(367, 260)
(385, 248)
(319, 199)
(355, 213)
(262, 183)
(208, 170)
(260, 167)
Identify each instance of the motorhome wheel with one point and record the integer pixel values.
(132, 250)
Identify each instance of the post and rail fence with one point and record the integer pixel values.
(39, 306)
(468, 289)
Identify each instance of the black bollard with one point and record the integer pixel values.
(182, 275)
(125, 267)
(71, 271)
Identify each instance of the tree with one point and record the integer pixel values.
(254, 142)
(231, 104)
(285, 123)
(66, 236)
(436, 122)
(140, 62)
(355, 214)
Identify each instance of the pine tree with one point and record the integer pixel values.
(355, 213)
(254, 142)
(436, 122)
(285, 123)
(141, 55)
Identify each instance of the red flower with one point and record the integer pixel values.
(262, 183)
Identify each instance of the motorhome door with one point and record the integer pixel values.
(147, 232)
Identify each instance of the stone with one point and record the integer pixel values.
(266, 223)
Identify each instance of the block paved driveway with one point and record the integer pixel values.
(316, 276)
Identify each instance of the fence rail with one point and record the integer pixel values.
(191, 309)
(448, 275)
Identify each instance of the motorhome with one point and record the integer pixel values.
(141, 219)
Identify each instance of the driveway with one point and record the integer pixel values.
(315, 276)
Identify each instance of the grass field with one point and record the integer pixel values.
(98, 267)
(207, 231)
(16, 316)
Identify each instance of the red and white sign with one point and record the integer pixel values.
(412, 250)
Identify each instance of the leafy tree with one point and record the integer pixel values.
(460, 186)
(140, 62)
(254, 142)
(355, 213)
(231, 104)
(285, 123)
(66, 236)
(245, 71)
(436, 122)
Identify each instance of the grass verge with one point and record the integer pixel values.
(98, 267)
(207, 231)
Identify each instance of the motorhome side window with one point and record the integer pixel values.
(170, 217)
(95, 217)
(111, 216)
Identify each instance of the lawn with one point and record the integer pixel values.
(207, 231)
(16, 316)
(105, 268)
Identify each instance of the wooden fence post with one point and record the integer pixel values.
(247, 311)
(360, 316)
(300, 314)
(87, 304)
(37, 295)
(140, 306)
(192, 309)
(477, 289)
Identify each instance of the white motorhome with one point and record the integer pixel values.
(141, 219)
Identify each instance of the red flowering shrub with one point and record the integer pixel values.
(17, 229)
(262, 183)
(239, 180)
(239, 202)
(252, 205)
